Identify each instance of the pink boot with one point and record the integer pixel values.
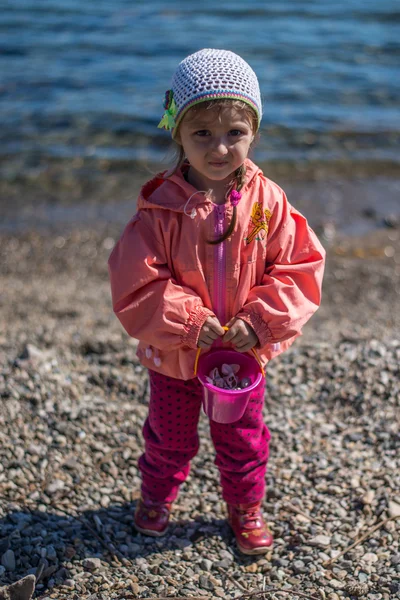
(251, 532)
(151, 518)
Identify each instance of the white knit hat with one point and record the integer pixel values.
(207, 75)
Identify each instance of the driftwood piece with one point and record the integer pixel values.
(263, 594)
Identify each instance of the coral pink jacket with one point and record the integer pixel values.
(166, 280)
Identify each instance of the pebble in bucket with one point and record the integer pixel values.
(221, 404)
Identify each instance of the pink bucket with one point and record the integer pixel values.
(221, 405)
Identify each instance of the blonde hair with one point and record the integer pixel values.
(239, 177)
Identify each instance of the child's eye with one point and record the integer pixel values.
(202, 132)
(235, 132)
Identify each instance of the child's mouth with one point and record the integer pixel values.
(218, 164)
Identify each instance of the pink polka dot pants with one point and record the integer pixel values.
(171, 441)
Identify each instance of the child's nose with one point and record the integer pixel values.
(220, 146)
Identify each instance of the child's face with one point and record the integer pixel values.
(216, 142)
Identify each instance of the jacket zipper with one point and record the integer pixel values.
(219, 271)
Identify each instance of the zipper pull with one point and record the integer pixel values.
(220, 208)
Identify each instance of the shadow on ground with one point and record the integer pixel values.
(56, 548)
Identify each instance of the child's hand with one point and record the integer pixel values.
(241, 335)
(210, 331)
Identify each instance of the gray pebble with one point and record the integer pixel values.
(92, 564)
(226, 555)
(223, 564)
(51, 553)
(282, 562)
(205, 583)
(336, 584)
(299, 566)
(321, 541)
(8, 560)
(206, 564)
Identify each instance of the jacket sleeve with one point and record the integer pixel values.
(290, 290)
(149, 303)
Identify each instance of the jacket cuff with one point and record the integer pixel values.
(193, 326)
(260, 327)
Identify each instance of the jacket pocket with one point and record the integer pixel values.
(255, 252)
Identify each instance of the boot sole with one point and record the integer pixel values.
(254, 551)
(150, 532)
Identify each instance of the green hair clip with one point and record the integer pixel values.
(168, 120)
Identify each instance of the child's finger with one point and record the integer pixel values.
(231, 322)
(229, 326)
(207, 339)
(244, 347)
(227, 337)
(231, 330)
(216, 328)
(212, 327)
(204, 345)
(234, 338)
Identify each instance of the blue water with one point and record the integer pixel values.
(87, 78)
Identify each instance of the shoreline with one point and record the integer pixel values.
(65, 200)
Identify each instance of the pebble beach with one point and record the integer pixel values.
(80, 97)
(73, 401)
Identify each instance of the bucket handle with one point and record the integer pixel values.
(253, 350)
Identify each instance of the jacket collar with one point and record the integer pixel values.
(173, 192)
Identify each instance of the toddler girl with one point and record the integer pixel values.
(213, 243)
